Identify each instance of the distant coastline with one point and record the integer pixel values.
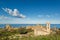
(24, 25)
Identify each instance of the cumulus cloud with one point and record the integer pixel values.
(14, 12)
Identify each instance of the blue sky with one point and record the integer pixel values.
(29, 11)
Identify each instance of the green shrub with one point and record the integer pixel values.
(22, 30)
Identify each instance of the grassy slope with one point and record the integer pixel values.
(49, 37)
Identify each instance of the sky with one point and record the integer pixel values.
(29, 11)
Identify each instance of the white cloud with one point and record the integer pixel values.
(48, 16)
(14, 12)
(3, 17)
(40, 15)
(44, 16)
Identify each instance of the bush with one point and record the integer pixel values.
(58, 32)
(22, 30)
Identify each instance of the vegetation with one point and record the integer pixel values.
(12, 35)
(22, 30)
(49, 37)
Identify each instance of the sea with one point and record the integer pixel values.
(24, 25)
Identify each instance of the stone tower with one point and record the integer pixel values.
(48, 27)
